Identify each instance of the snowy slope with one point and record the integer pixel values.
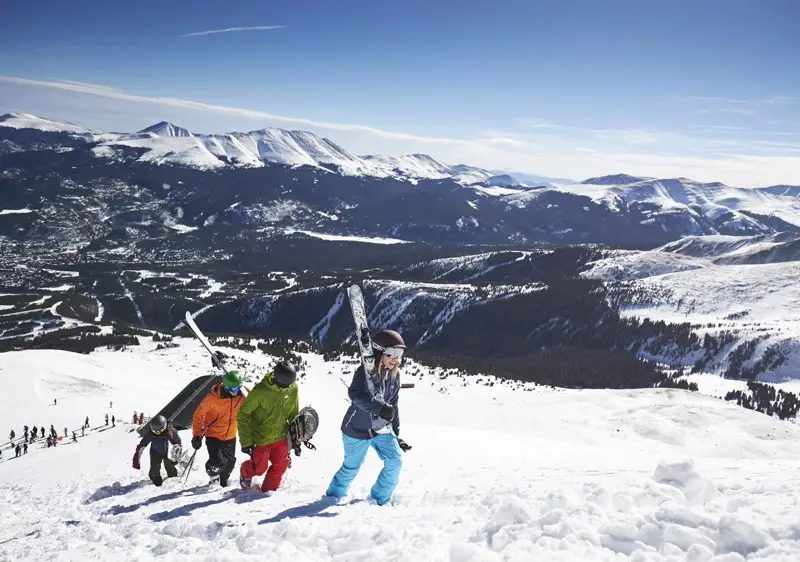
(26, 121)
(165, 129)
(744, 288)
(627, 265)
(343, 238)
(719, 203)
(415, 165)
(645, 475)
(780, 247)
(694, 252)
(168, 143)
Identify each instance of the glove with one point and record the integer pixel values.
(387, 412)
(403, 445)
(219, 357)
(247, 450)
(197, 441)
(136, 464)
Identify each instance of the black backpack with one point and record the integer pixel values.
(302, 429)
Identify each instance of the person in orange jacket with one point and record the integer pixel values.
(215, 418)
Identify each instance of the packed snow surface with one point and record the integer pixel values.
(495, 473)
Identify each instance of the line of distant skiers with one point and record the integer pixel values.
(29, 436)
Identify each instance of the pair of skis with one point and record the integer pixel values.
(364, 340)
(181, 408)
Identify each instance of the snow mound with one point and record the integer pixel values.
(629, 265)
(684, 476)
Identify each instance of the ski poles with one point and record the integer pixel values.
(188, 468)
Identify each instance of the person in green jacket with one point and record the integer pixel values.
(263, 422)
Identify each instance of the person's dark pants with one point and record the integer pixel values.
(155, 469)
(221, 458)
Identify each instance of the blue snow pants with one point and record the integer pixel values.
(355, 450)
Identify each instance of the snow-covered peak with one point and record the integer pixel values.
(616, 179)
(166, 129)
(27, 121)
(469, 174)
(414, 165)
(788, 190)
(501, 180)
(168, 144)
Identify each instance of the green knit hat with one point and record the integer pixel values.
(232, 379)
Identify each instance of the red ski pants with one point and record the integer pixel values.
(276, 456)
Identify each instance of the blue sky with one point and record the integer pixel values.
(704, 89)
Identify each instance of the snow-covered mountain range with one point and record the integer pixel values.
(165, 143)
(245, 178)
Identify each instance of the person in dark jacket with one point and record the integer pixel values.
(373, 420)
(159, 438)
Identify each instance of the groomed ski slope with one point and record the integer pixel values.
(495, 474)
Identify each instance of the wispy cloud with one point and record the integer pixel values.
(232, 29)
(782, 100)
(541, 124)
(722, 104)
(721, 100)
(104, 91)
(718, 128)
(87, 85)
(630, 136)
(555, 150)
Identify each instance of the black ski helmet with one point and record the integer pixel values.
(389, 338)
(158, 424)
(285, 374)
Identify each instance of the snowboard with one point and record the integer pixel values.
(302, 428)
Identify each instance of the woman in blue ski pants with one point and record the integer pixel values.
(373, 420)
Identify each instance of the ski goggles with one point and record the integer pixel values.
(159, 432)
(393, 352)
(233, 388)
